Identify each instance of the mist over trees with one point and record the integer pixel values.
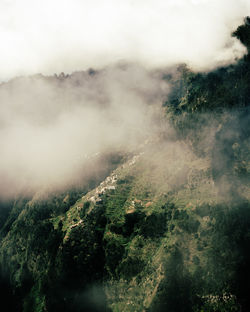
(159, 224)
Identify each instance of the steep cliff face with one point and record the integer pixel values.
(164, 227)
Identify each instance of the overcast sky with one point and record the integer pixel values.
(66, 35)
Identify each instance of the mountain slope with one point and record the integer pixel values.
(165, 227)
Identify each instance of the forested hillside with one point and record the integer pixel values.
(163, 227)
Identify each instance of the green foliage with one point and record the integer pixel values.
(153, 226)
(199, 102)
(175, 291)
(243, 33)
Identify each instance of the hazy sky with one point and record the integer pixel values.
(67, 35)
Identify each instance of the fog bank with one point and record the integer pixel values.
(50, 127)
(54, 36)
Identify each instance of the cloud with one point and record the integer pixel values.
(49, 127)
(68, 35)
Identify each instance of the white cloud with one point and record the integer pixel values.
(47, 126)
(67, 35)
